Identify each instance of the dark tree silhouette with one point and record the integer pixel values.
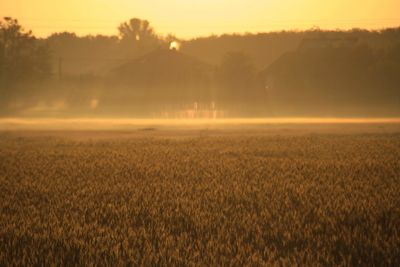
(23, 58)
(138, 37)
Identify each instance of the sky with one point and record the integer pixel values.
(188, 19)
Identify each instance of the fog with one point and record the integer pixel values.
(152, 125)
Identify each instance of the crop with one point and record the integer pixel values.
(231, 200)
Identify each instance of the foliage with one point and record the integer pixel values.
(342, 76)
(138, 37)
(22, 56)
(23, 59)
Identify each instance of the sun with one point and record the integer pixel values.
(174, 45)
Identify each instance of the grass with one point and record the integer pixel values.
(324, 199)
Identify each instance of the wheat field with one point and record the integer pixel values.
(147, 199)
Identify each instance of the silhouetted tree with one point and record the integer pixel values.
(23, 58)
(86, 55)
(354, 79)
(138, 37)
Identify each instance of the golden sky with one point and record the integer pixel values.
(187, 18)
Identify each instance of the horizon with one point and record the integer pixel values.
(194, 20)
(205, 36)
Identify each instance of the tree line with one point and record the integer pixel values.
(279, 71)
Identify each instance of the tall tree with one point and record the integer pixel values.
(23, 58)
(138, 37)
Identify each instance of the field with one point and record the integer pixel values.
(315, 196)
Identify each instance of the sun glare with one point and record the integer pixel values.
(174, 45)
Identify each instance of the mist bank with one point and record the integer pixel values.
(161, 127)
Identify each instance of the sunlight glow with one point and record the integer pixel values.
(174, 46)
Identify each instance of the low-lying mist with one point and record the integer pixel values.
(165, 124)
